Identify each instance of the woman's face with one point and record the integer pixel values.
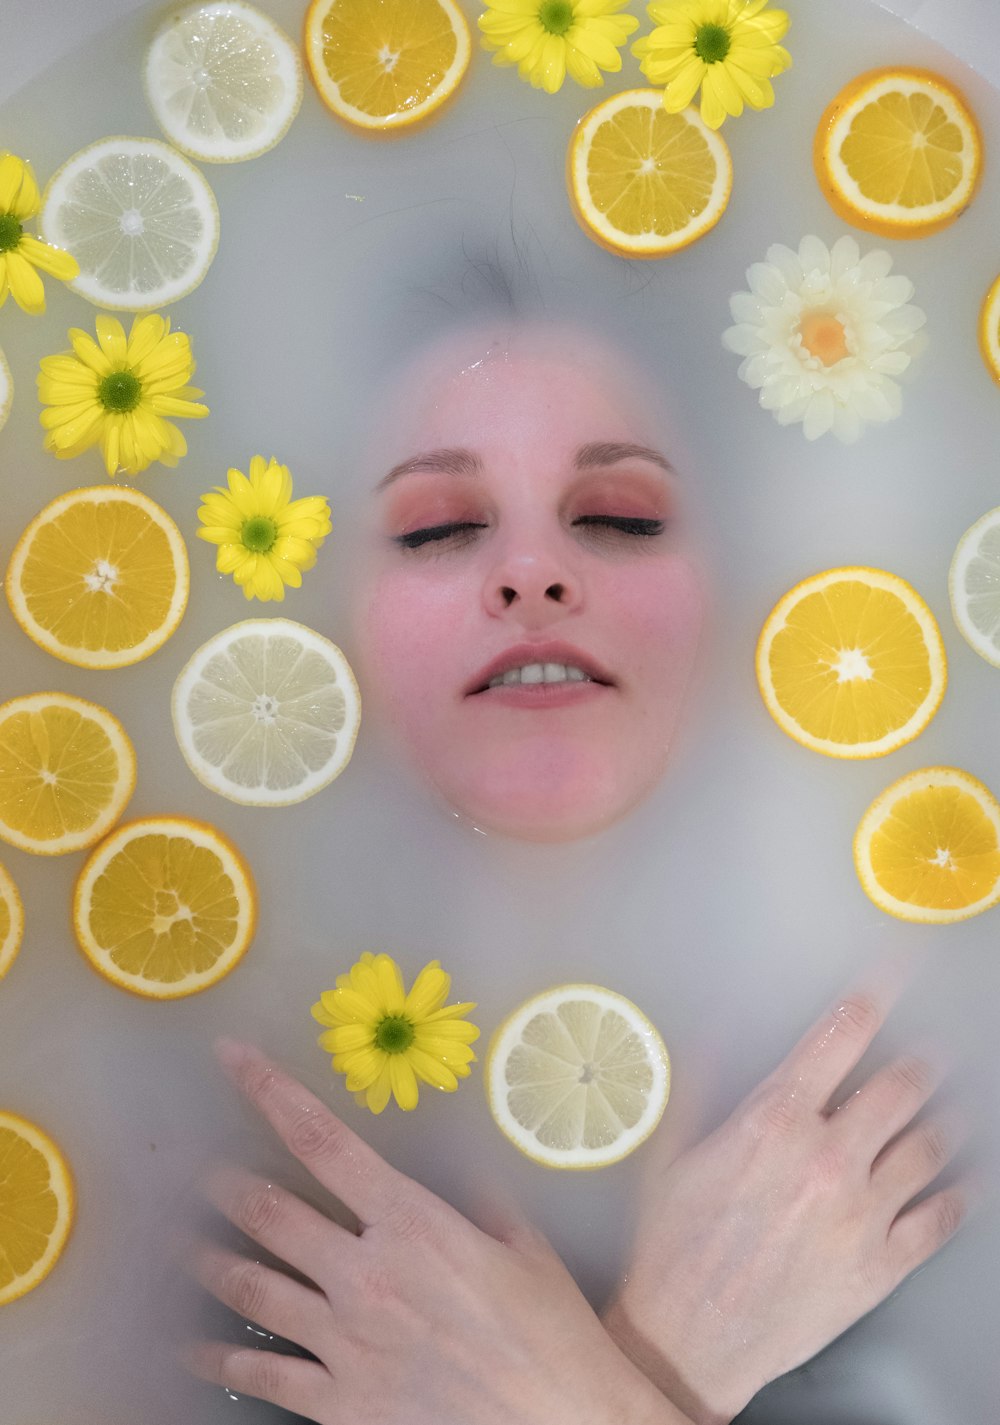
(530, 611)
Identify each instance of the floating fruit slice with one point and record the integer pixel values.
(6, 391)
(928, 848)
(223, 81)
(140, 220)
(989, 333)
(67, 770)
(267, 712)
(643, 182)
(577, 1077)
(36, 1205)
(100, 577)
(974, 586)
(165, 907)
(898, 152)
(384, 67)
(851, 663)
(11, 922)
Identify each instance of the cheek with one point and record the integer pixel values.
(408, 639)
(663, 609)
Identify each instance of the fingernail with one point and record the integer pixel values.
(231, 1054)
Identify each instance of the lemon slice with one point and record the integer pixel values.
(989, 334)
(223, 81)
(643, 182)
(6, 391)
(67, 770)
(974, 586)
(11, 922)
(100, 577)
(851, 663)
(577, 1077)
(267, 712)
(898, 152)
(36, 1205)
(165, 907)
(385, 67)
(928, 848)
(140, 220)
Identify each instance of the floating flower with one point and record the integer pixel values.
(548, 38)
(20, 252)
(115, 393)
(265, 538)
(822, 332)
(727, 48)
(384, 1039)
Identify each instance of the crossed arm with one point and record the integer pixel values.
(755, 1249)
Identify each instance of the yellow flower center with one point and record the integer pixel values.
(556, 16)
(10, 232)
(711, 43)
(394, 1034)
(120, 391)
(823, 336)
(258, 534)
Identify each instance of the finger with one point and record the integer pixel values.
(266, 1297)
(336, 1157)
(883, 1107)
(277, 1220)
(501, 1217)
(919, 1231)
(304, 1387)
(913, 1161)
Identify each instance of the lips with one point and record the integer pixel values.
(524, 654)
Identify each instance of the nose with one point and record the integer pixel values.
(535, 588)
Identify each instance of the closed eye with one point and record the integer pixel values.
(437, 532)
(622, 524)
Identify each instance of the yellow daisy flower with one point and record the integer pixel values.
(384, 1039)
(116, 391)
(547, 39)
(20, 252)
(727, 48)
(265, 537)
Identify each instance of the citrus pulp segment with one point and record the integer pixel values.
(898, 152)
(643, 182)
(989, 334)
(577, 1077)
(928, 848)
(267, 712)
(385, 67)
(67, 770)
(165, 907)
(851, 663)
(100, 577)
(223, 81)
(36, 1205)
(974, 586)
(11, 921)
(140, 220)
(6, 391)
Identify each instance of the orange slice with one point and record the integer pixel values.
(928, 848)
(36, 1205)
(643, 182)
(6, 391)
(851, 663)
(165, 907)
(67, 770)
(898, 152)
(989, 331)
(100, 577)
(385, 67)
(11, 922)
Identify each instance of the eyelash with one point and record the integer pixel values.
(613, 524)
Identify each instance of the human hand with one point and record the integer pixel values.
(769, 1239)
(420, 1317)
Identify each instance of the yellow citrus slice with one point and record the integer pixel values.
(165, 907)
(385, 67)
(974, 586)
(67, 770)
(898, 152)
(100, 577)
(643, 182)
(577, 1077)
(989, 334)
(850, 663)
(928, 848)
(36, 1205)
(223, 81)
(11, 922)
(6, 391)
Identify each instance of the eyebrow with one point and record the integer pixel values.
(455, 460)
(609, 452)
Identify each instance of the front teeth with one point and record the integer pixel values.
(541, 673)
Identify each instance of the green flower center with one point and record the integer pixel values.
(10, 232)
(394, 1034)
(120, 391)
(711, 43)
(556, 16)
(258, 534)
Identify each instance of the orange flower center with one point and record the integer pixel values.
(823, 336)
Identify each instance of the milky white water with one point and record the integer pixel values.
(727, 906)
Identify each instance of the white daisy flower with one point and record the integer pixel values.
(822, 332)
